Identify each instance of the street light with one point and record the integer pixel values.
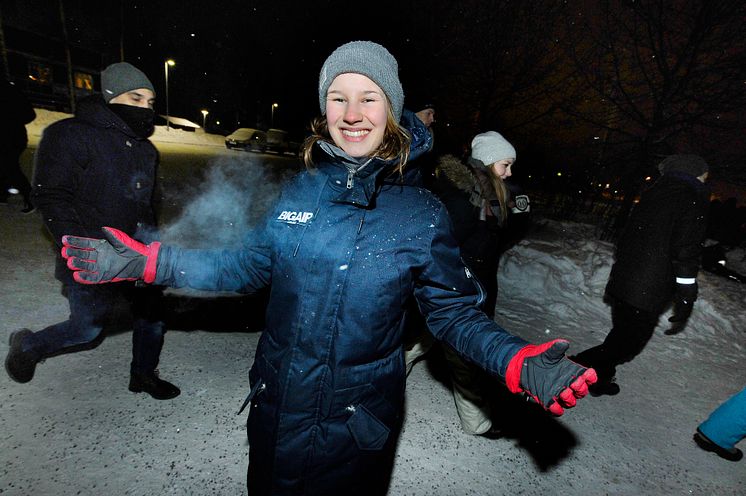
(204, 117)
(272, 120)
(166, 64)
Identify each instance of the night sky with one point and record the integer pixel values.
(597, 91)
(240, 57)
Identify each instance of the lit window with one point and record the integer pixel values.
(40, 73)
(84, 81)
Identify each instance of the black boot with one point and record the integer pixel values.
(704, 442)
(20, 365)
(153, 385)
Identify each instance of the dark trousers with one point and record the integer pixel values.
(631, 330)
(91, 307)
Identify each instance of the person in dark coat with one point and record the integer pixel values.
(99, 169)
(17, 112)
(657, 261)
(344, 248)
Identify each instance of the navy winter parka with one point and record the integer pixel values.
(661, 241)
(91, 171)
(343, 250)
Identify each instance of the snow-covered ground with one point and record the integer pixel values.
(75, 429)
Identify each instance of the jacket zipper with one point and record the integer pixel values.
(352, 171)
(258, 388)
(481, 297)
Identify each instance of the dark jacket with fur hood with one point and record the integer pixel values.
(460, 190)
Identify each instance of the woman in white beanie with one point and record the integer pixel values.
(345, 247)
(477, 201)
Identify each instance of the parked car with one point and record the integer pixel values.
(277, 141)
(247, 138)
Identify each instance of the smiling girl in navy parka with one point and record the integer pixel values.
(343, 249)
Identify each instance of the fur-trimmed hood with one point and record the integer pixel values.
(458, 173)
(471, 181)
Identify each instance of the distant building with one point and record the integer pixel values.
(46, 57)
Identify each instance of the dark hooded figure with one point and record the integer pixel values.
(656, 264)
(99, 169)
(17, 112)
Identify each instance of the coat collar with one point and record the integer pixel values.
(357, 179)
(354, 179)
(94, 110)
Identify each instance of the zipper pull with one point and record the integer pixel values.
(350, 177)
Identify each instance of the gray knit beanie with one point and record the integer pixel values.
(688, 164)
(123, 77)
(491, 147)
(369, 59)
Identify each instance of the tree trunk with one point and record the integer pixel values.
(68, 57)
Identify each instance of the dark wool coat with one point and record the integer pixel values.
(661, 241)
(328, 377)
(92, 171)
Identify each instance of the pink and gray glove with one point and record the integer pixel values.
(114, 259)
(548, 376)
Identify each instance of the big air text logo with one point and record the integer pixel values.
(291, 217)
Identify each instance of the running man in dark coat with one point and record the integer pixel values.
(657, 261)
(99, 169)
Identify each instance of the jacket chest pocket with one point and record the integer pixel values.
(376, 276)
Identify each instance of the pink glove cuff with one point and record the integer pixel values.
(515, 366)
(151, 262)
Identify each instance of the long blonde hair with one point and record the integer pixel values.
(501, 191)
(395, 144)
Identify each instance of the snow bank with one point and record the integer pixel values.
(562, 270)
(46, 117)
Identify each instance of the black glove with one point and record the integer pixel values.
(683, 302)
(548, 376)
(116, 258)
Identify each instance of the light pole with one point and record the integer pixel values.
(272, 120)
(166, 64)
(204, 117)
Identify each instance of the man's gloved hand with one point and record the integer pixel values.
(116, 258)
(683, 301)
(548, 376)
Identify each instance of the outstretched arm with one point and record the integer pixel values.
(449, 299)
(118, 257)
